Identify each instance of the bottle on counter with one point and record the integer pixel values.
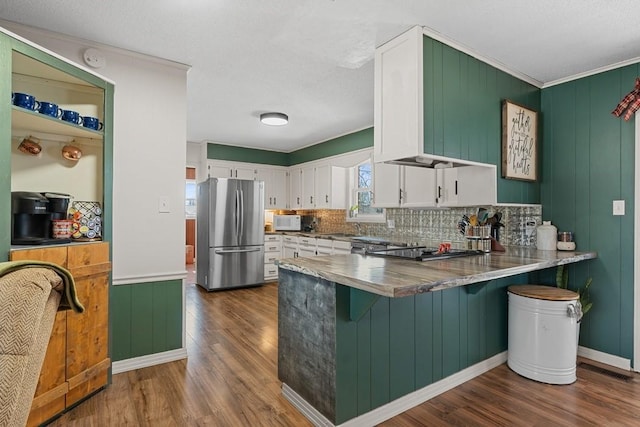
(546, 236)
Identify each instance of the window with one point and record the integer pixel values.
(190, 197)
(362, 196)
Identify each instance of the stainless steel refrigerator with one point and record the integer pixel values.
(230, 237)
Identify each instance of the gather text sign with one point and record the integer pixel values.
(519, 142)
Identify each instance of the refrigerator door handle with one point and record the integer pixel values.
(236, 251)
(237, 216)
(240, 234)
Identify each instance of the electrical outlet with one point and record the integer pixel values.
(618, 207)
(163, 205)
(391, 223)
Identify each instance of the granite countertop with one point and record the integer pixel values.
(392, 277)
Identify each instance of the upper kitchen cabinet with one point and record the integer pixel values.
(276, 187)
(402, 186)
(436, 105)
(331, 187)
(226, 169)
(420, 187)
(322, 186)
(398, 98)
(33, 70)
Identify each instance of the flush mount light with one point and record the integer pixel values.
(274, 119)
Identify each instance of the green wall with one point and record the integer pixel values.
(343, 144)
(5, 146)
(250, 155)
(146, 318)
(588, 161)
(462, 112)
(404, 344)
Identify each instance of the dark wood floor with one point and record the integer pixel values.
(230, 379)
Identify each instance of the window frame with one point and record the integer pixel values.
(354, 189)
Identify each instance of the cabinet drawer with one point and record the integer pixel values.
(272, 247)
(307, 241)
(270, 271)
(325, 243)
(289, 239)
(271, 257)
(270, 238)
(340, 245)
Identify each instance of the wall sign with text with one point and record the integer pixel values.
(519, 142)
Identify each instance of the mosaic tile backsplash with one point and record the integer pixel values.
(415, 225)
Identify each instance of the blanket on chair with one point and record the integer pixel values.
(69, 295)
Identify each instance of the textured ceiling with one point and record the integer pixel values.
(312, 59)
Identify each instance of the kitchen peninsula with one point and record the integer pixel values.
(357, 332)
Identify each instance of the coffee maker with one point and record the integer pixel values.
(32, 215)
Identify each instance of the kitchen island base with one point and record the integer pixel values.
(347, 368)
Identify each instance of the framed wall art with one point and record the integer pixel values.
(519, 142)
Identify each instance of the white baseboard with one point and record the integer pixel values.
(607, 359)
(400, 405)
(148, 360)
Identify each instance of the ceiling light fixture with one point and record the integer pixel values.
(274, 119)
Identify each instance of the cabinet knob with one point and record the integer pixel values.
(326, 198)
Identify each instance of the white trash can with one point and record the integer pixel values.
(544, 323)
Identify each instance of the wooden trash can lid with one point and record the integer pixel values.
(549, 293)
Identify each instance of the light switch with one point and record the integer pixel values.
(391, 223)
(163, 205)
(618, 207)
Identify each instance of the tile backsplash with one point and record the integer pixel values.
(417, 225)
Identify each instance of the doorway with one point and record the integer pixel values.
(190, 223)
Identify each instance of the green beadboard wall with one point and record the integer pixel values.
(146, 318)
(462, 112)
(404, 344)
(588, 161)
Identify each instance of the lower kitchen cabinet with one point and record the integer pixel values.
(77, 361)
(272, 252)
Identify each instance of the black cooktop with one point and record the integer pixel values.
(422, 253)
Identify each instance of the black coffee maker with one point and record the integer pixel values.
(32, 215)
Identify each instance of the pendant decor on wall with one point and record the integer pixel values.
(519, 142)
(630, 103)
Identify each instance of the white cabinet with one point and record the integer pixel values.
(224, 169)
(330, 187)
(307, 180)
(289, 246)
(398, 98)
(399, 134)
(295, 188)
(341, 248)
(324, 246)
(306, 247)
(275, 187)
(403, 186)
(419, 187)
(319, 187)
(272, 252)
(466, 186)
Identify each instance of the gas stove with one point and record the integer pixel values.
(423, 253)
